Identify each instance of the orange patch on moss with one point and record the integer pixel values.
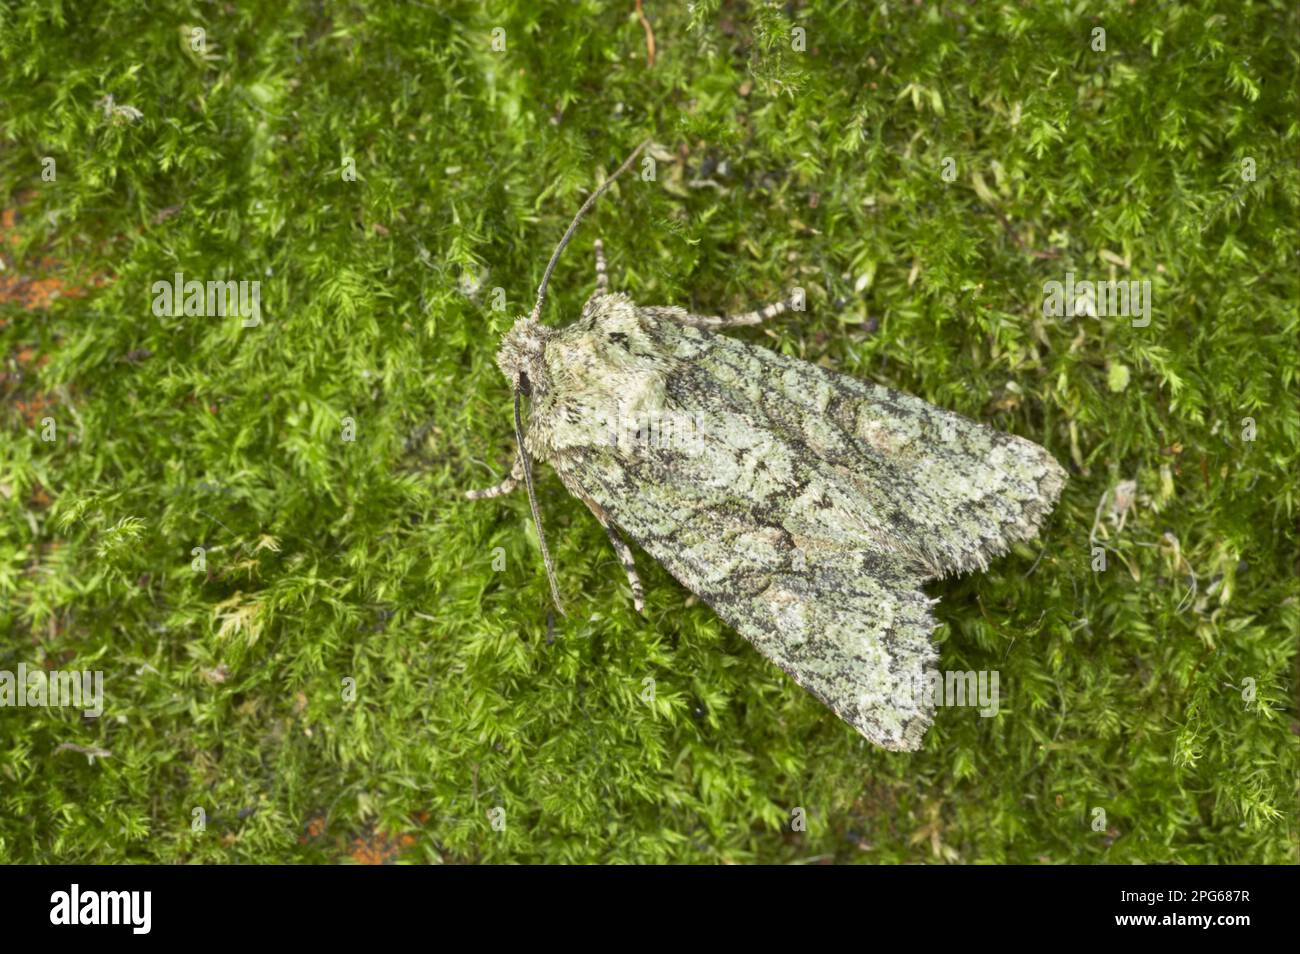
(379, 848)
(19, 380)
(35, 294)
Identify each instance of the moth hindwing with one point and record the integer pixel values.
(806, 507)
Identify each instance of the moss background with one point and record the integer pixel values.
(327, 560)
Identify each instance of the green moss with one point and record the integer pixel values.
(329, 560)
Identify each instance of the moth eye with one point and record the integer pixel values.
(525, 386)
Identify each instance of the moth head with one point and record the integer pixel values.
(521, 357)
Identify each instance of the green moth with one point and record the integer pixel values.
(806, 507)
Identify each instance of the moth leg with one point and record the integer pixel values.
(625, 556)
(503, 488)
(624, 553)
(602, 277)
(733, 321)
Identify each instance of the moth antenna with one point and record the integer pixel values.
(532, 502)
(573, 227)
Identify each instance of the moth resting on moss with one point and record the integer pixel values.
(807, 509)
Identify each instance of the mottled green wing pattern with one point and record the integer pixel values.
(745, 524)
(804, 506)
(960, 491)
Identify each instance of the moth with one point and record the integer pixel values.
(806, 507)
